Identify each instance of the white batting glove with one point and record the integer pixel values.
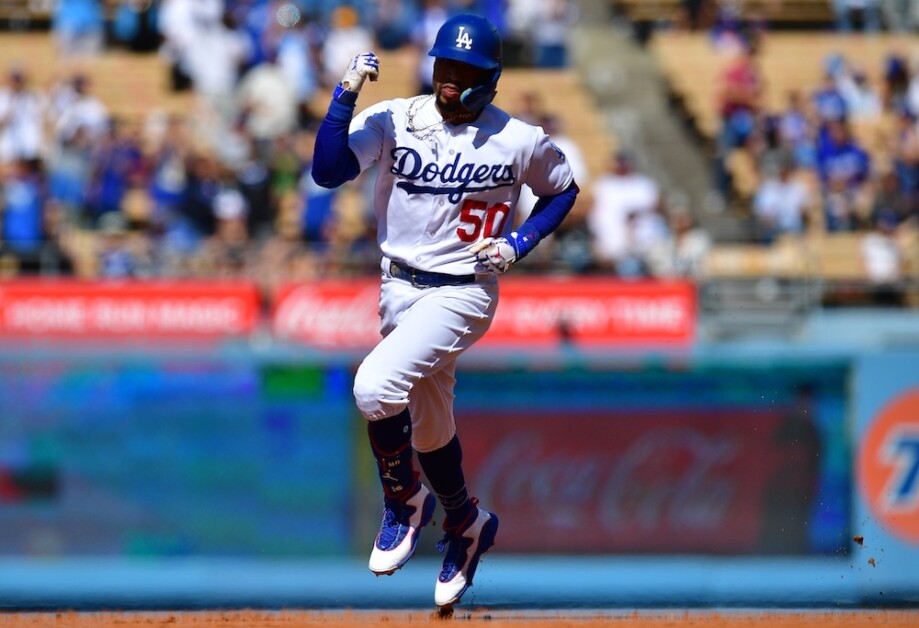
(496, 255)
(363, 66)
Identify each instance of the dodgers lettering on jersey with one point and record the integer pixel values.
(455, 179)
(441, 187)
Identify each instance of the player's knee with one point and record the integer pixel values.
(373, 395)
(366, 395)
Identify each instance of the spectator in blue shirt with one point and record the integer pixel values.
(839, 157)
(904, 149)
(78, 27)
(851, 14)
(115, 259)
(117, 164)
(843, 167)
(21, 216)
(828, 102)
(796, 130)
(895, 83)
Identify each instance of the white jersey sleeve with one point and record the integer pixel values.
(549, 172)
(367, 132)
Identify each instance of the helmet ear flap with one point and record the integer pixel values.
(475, 98)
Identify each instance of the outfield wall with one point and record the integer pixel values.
(238, 475)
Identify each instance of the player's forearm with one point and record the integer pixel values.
(547, 215)
(333, 161)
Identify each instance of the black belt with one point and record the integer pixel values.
(427, 279)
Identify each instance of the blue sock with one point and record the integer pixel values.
(443, 468)
(391, 442)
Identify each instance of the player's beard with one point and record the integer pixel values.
(453, 110)
(449, 107)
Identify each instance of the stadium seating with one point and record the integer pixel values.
(811, 13)
(130, 85)
(789, 61)
(133, 85)
(39, 12)
(787, 258)
(831, 260)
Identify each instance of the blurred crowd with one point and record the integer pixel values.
(838, 156)
(225, 189)
(222, 189)
(871, 16)
(623, 224)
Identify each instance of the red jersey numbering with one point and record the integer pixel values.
(481, 220)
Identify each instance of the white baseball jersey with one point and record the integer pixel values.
(442, 187)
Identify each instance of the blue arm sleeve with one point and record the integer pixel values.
(545, 218)
(333, 161)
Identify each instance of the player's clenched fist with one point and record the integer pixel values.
(496, 255)
(362, 66)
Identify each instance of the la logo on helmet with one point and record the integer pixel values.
(464, 39)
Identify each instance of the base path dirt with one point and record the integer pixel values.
(466, 618)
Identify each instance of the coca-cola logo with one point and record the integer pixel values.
(665, 480)
(344, 314)
(312, 314)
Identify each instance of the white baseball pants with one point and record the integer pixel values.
(424, 331)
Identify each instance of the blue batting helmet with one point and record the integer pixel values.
(474, 40)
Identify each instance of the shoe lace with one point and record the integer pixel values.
(394, 517)
(454, 544)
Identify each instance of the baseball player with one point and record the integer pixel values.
(450, 167)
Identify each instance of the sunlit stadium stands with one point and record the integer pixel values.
(128, 84)
(133, 85)
(24, 13)
(788, 61)
(813, 13)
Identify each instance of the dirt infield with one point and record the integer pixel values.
(475, 617)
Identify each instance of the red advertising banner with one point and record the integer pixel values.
(133, 309)
(532, 310)
(343, 313)
(329, 314)
(595, 310)
(645, 481)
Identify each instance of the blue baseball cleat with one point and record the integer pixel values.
(465, 547)
(399, 530)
